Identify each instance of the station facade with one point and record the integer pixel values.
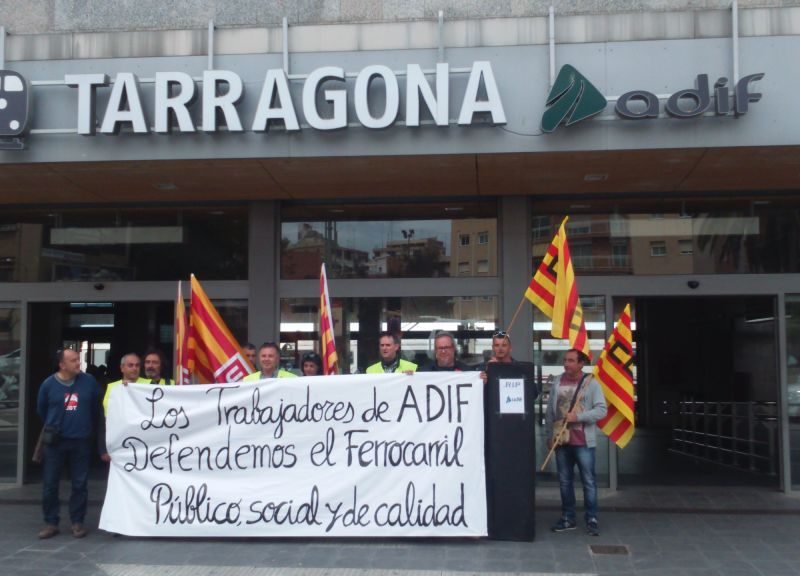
(427, 159)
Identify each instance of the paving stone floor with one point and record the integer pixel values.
(671, 531)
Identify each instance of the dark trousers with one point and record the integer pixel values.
(77, 455)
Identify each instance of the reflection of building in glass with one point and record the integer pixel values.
(303, 258)
(21, 255)
(473, 244)
(598, 243)
(661, 243)
(409, 257)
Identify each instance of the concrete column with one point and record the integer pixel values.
(515, 260)
(263, 316)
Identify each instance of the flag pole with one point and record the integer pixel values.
(514, 318)
(563, 427)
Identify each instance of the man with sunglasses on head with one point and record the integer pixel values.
(444, 359)
(501, 351)
(269, 360)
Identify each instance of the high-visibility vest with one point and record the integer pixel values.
(112, 385)
(402, 366)
(257, 375)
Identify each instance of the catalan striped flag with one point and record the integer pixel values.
(182, 375)
(330, 360)
(614, 371)
(214, 354)
(553, 290)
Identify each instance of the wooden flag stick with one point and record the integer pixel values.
(563, 426)
(514, 318)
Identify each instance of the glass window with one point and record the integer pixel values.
(386, 241)
(483, 266)
(793, 383)
(658, 248)
(619, 256)
(359, 321)
(483, 238)
(717, 235)
(10, 363)
(112, 244)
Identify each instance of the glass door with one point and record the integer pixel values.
(706, 390)
(10, 366)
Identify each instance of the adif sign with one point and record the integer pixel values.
(222, 90)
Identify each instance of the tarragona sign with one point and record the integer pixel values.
(176, 94)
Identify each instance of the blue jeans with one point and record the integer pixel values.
(566, 459)
(77, 453)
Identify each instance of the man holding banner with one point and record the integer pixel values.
(576, 398)
(269, 358)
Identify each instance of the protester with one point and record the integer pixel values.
(69, 406)
(389, 350)
(154, 364)
(501, 351)
(444, 355)
(130, 365)
(577, 398)
(250, 353)
(269, 359)
(311, 364)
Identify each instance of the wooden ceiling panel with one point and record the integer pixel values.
(36, 184)
(404, 177)
(619, 171)
(174, 181)
(375, 176)
(764, 168)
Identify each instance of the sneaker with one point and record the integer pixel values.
(78, 531)
(48, 531)
(592, 527)
(563, 525)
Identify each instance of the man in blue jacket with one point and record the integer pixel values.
(70, 402)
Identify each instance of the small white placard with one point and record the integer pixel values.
(512, 396)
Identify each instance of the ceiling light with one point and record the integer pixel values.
(597, 177)
(453, 208)
(165, 186)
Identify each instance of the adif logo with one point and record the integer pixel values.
(15, 104)
(573, 98)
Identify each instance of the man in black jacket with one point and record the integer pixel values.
(444, 349)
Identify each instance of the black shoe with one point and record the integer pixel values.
(592, 527)
(563, 525)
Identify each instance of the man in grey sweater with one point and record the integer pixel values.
(578, 444)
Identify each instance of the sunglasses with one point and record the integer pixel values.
(502, 334)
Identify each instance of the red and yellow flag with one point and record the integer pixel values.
(182, 375)
(553, 290)
(215, 355)
(330, 360)
(614, 371)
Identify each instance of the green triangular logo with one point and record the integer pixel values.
(572, 98)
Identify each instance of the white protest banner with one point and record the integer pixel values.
(365, 455)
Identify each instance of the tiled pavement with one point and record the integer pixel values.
(666, 531)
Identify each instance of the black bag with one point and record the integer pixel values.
(50, 435)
